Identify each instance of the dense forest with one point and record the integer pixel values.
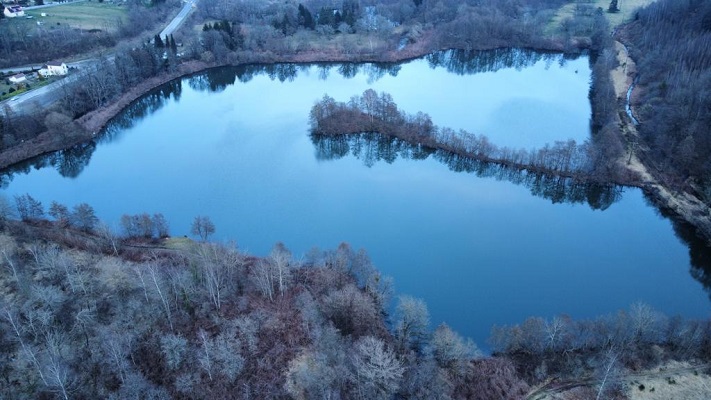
(670, 40)
(369, 28)
(89, 313)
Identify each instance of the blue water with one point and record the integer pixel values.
(478, 250)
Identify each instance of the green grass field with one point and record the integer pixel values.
(85, 15)
(627, 9)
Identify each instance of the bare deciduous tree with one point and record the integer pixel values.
(203, 227)
(29, 208)
(280, 259)
(412, 326)
(451, 351)
(608, 372)
(157, 283)
(83, 217)
(173, 348)
(376, 370)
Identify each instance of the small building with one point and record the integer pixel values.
(14, 11)
(54, 69)
(18, 78)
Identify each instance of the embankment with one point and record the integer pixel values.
(680, 204)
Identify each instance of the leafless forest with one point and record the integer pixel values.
(90, 313)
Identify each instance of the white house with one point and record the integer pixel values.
(54, 69)
(14, 11)
(19, 78)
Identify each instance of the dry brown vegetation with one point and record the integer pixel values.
(88, 313)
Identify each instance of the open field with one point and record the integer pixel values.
(85, 15)
(627, 9)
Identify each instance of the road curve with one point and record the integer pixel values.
(179, 19)
(45, 96)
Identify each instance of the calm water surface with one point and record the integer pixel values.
(233, 144)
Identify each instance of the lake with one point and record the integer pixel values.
(481, 248)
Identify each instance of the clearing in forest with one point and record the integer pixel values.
(626, 13)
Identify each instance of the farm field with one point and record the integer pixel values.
(84, 15)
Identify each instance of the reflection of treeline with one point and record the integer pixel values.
(467, 62)
(564, 165)
(215, 80)
(460, 62)
(672, 100)
(378, 113)
(69, 162)
(374, 147)
(141, 108)
(699, 249)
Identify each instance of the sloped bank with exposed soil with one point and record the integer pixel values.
(679, 204)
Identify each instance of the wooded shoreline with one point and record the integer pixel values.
(681, 205)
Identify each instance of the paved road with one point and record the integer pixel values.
(178, 20)
(43, 97)
(52, 5)
(24, 68)
(46, 95)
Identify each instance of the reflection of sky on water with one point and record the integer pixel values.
(526, 108)
(479, 251)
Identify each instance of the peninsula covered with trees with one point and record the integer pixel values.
(562, 171)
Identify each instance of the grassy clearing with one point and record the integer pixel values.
(626, 13)
(178, 243)
(86, 15)
(627, 10)
(678, 386)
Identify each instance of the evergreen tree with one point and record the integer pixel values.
(305, 18)
(350, 12)
(173, 46)
(158, 41)
(226, 26)
(284, 26)
(613, 7)
(325, 16)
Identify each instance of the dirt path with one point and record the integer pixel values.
(683, 204)
(668, 381)
(622, 78)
